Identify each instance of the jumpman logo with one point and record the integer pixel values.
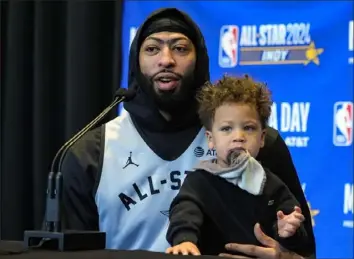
(130, 161)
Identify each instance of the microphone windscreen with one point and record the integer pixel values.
(129, 93)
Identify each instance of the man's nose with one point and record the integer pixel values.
(166, 59)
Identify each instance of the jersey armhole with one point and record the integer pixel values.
(100, 159)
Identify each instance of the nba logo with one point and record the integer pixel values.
(343, 124)
(228, 46)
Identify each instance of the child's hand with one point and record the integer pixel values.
(288, 224)
(185, 248)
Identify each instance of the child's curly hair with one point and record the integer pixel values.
(233, 90)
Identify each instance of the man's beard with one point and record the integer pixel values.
(177, 100)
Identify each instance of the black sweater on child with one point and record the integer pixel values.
(210, 212)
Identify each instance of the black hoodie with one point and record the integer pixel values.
(83, 163)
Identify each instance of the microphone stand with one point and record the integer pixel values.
(53, 237)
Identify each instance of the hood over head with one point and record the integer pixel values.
(143, 108)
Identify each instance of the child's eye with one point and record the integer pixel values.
(225, 128)
(250, 128)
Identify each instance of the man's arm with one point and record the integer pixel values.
(80, 177)
(186, 216)
(276, 157)
(271, 249)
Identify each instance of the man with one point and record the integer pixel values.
(121, 178)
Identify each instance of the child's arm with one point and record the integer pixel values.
(284, 202)
(289, 228)
(186, 217)
(288, 225)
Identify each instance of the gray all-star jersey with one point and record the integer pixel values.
(137, 187)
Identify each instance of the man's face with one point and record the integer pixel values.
(167, 61)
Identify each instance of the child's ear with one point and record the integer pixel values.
(209, 136)
(264, 132)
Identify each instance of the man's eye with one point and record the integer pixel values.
(151, 49)
(181, 49)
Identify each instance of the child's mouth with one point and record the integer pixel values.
(234, 156)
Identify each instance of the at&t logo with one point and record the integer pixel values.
(199, 152)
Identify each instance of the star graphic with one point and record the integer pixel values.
(313, 212)
(312, 54)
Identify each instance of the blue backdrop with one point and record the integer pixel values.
(304, 51)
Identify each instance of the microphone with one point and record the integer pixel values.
(68, 240)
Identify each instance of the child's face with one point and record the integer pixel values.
(236, 125)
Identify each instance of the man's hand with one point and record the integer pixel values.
(185, 248)
(272, 249)
(288, 224)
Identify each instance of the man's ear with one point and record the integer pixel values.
(209, 136)
(264, 132)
